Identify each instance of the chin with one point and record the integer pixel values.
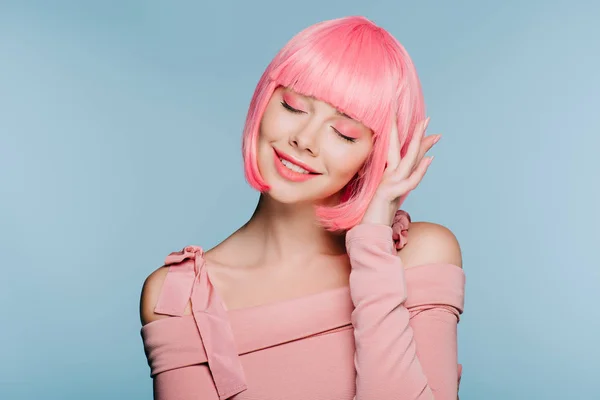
(294, 193)
(288, 194)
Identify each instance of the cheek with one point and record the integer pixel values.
(347, 159)
(274, 125)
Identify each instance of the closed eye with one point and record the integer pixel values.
(341, 135)
(290, 108)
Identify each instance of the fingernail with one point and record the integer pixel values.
(437, 139)
(430, 160)
(426, 123)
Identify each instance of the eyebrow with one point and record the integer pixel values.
(344, 115)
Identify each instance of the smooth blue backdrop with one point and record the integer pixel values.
(120, 128)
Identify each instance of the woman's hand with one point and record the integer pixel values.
(401, 176)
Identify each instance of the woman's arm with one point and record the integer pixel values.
(404, 351)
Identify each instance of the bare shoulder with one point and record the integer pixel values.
(430, 243)
(150, 293)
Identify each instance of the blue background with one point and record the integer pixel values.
(120, 125)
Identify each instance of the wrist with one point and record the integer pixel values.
(371, 236)
(380, 213)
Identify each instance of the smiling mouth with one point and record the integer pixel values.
(294, 165)
(290, 170)
(296, 168)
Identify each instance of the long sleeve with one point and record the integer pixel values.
(405, 339)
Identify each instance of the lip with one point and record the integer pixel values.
(294, 161)
(287, 173)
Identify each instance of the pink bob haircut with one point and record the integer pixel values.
(361, 70)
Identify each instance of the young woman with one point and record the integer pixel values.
(327, 292)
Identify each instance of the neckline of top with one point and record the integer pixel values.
(342, 292)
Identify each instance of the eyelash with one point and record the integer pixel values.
(290, 108)
(295, 111)
(344, 137)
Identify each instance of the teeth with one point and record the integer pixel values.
(293, 167)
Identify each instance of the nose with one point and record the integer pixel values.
(306, 140)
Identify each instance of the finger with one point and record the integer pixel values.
(426, 145)
(410, 159)
(407, 185)
(393, 158)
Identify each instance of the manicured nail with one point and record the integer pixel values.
(426, 123)
(437, 139)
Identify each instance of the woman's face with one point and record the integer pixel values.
(307, 150)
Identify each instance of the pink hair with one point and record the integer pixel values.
(363, 71)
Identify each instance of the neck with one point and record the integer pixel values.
(289, 232)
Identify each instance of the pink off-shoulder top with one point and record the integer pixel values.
(390, 335)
